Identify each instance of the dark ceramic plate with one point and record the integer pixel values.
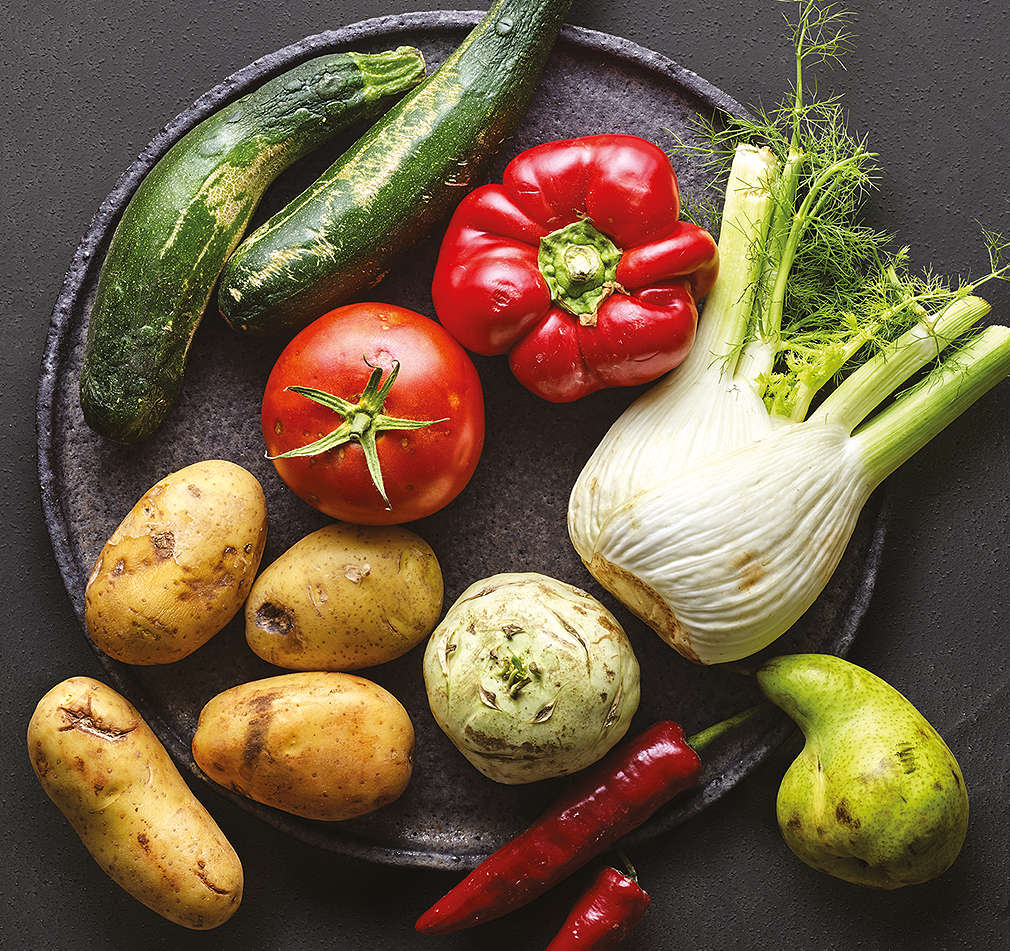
(510, 518)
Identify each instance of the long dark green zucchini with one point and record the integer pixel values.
(342, 234)
(190, 212)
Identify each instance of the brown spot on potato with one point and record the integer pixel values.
(83, 719)
(144, 841)
(194, 490)
(256, 733)
(202, 875)
(118, 568)
(274, 619)
(164, 544)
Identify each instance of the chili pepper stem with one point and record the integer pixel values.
(709, 735)
(625, 864)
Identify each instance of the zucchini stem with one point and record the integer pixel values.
(901, 430)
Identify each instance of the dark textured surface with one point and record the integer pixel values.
(450, 816)
(931, 87)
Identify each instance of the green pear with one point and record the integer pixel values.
(875, 797)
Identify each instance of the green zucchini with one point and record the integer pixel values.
(189, 213)
(399, 179)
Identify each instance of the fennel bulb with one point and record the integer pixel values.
(711, 508)
(723, 558)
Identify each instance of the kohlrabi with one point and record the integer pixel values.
(718, 506)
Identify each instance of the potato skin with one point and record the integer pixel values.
(345, 597)
(320, 745)
(112, 779)
(179, 566)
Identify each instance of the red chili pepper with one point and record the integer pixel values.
(610, 799)
(578, 265)
(604, 916)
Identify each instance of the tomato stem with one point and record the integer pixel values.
(362, 423)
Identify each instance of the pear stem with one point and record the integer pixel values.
(709, 735)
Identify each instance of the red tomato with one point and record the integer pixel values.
(422, 469)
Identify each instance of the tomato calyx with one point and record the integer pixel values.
(362, 422)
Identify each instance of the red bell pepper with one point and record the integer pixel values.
(578, 265)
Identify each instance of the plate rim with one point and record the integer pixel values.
(74, 576)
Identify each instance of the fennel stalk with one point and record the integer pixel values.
(718, 505)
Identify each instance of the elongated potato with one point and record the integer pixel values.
(344, 597)
(320, 745)
(179, 566)
(101, 764)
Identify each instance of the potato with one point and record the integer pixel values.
(179, 566)
(321, 745)
(345, 597)
(101, 764)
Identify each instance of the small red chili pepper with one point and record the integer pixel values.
(604, 916)
(577, 264)
(607, 801)
(610, 799)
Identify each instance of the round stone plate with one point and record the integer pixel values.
(511, 517)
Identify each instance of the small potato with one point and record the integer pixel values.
(101, 764)
(179, 566)
(345, 597)
(321, 745)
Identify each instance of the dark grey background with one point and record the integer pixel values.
(84, 92)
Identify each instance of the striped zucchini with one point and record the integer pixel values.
(400, 178)
(190, 212)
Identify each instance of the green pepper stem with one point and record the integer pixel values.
(709, 735)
